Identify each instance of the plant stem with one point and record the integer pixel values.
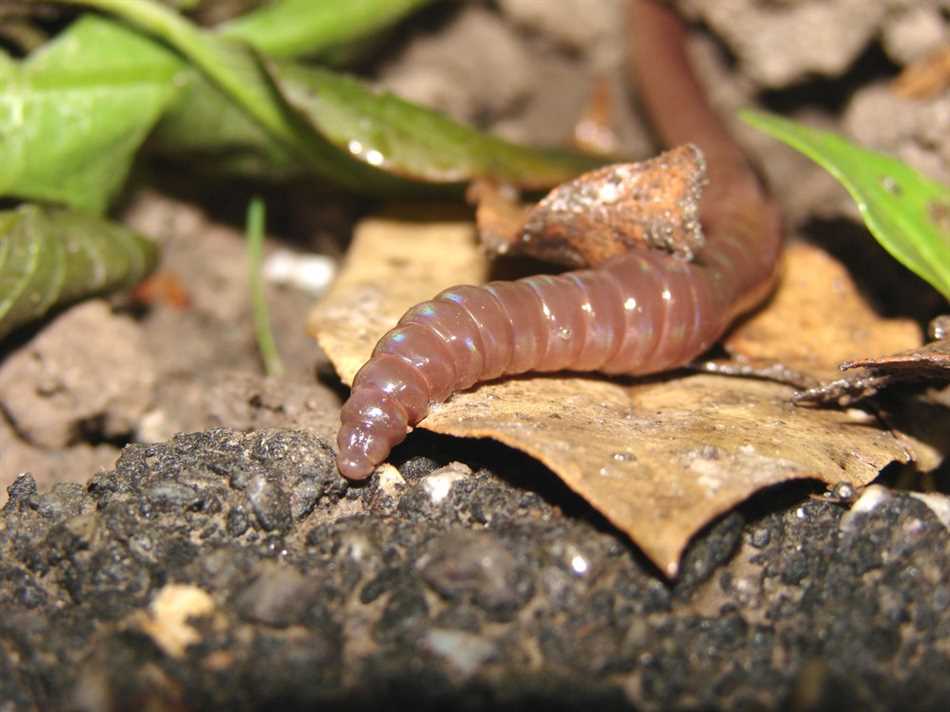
(273, 366)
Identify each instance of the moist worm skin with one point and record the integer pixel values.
(639, 313)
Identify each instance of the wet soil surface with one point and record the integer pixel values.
(231, 567)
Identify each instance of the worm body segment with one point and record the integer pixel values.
(637, 313)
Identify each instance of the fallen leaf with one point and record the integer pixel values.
(800, 332)
(869, 375)
(920, 418)
(817, 319)
(931, 360)
(603, 213)
(659, 458)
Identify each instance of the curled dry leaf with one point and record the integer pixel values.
(603, 213)
(659, 459)
(869, 375)
(932, 359)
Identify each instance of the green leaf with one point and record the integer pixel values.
(73, 114)
(362, 140)
(908, 213)
(238, 72)
(413, 142)
(204, 129)
(50, 257)
(288, 28)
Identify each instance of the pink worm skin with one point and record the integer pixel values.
(642, 312)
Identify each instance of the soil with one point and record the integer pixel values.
(182, 537)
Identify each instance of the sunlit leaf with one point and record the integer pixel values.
(73, 114)
(908, 213)
(348, 133)
(411, 141)
(51, 257)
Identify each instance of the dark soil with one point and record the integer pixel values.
(450, 587)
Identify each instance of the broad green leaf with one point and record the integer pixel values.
(51, 256)
(411, 141)
(238, 72)
(906, 211)
(350, 134)
(289, 28)
(204, 129)
(73, 113)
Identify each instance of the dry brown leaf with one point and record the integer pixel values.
(869, 375)
(931, 359)
(601, 214)
(817, 319)
(817, 323)
(658, 459)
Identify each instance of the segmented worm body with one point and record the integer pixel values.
(642, 312)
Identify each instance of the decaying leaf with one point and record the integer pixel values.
(930, 359)
(817, 319)
(800, 334)
(869, 375)
(658, 458)
(603, 213)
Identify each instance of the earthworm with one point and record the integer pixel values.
(641, 312)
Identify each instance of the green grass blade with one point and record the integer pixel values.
(273, 366)
(908, 213)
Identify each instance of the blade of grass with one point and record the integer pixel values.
(256, 217)
(904, 210)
